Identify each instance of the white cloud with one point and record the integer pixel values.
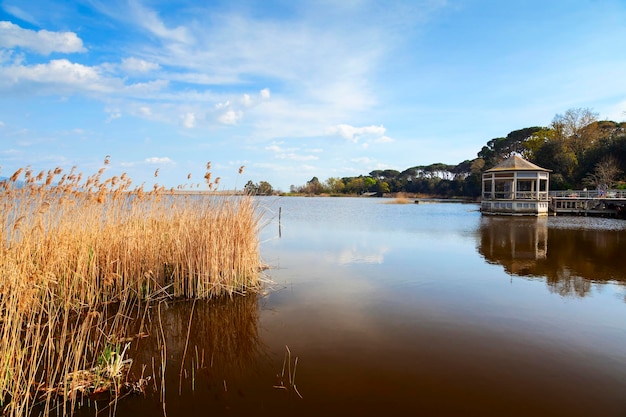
(151, 21)
(61, 76)
(159, 160)
(19, 13)
(289, 154)
(43, 42)
(249, 101)
(354, 134)
(59, 71)
(203, 78)
(113, 114)
(295, 157)
(145, 111)
(138, 65)
(277, 148)
(222, 105)
(354, 255)
(301, 58)
(5, 56)
(231, 117)
(141, 89)
(329, 67)
(188, 120)
(246, 100)
(362, 160)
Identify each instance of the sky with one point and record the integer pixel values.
(292, 89)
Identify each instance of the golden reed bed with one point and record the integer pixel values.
(82, 257)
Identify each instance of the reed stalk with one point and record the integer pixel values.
(79, 254)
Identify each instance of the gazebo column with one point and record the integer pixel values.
(535, 186)
(514, 187)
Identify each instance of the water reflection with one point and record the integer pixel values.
(570, 259)
(221, 332)
(358, 254)
(391, 311)
(197, 354)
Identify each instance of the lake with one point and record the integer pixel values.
(407, 309)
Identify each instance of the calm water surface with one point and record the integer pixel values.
(409, 309)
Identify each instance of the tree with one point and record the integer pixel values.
(386, 174)
(382, 187)
(355, 185)
(577, 129)
(572, 147)
(250, 188)
(555, 156)
(463, 170)
(498, 149)
(265, 188)
(517, 140)
(439, 170)
(408, 175)
(604, 175)
(536, 141)
(477, 166)
(335, 185)
(370, 183)
(313, 186)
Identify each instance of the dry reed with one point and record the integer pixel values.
(78, 254)
(290, 375)
(400, 198)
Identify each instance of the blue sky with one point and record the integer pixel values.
(293, 89)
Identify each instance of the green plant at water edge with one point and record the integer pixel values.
(111, 363)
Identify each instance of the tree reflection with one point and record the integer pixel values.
(570, 259)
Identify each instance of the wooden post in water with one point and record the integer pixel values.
(280, 212)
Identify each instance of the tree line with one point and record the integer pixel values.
(581, 151)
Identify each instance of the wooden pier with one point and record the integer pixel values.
(611, 203)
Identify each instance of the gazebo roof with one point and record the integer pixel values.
(516, 163)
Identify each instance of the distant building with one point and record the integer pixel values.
(515, 187)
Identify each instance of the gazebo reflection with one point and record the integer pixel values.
(569, 259)
(517, 244)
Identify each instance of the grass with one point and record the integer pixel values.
(79, 254)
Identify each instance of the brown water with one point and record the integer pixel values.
(419, 309)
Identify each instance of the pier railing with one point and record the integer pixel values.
(589, 194)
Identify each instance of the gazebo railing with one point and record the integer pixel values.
(520, 195)
(532, 195)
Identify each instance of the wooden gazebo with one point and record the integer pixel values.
(515, 187)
